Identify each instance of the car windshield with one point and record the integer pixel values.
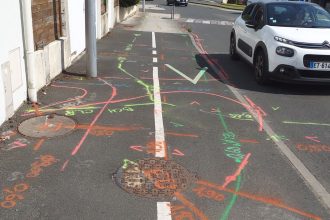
(297, 15)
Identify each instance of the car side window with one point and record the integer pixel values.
(259, 16)
(247, 13)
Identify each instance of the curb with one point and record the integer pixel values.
(215, 5)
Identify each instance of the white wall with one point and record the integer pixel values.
(76, 13)
(12, 51)
(111, 13)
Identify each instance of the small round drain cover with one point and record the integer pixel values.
(153, 178)
(47, 126)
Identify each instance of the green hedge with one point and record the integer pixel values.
(128, 3)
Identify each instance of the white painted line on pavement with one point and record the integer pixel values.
(155, 60)
(164, 211)
(317, 188)
(159, 125)
(154, 52)
(163, 208)
(153, 40)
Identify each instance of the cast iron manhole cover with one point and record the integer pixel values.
(47, 126)
(153, 178)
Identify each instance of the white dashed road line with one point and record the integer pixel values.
(163, 208)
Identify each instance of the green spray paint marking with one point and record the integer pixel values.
(229, 137)
(305, 123)
(147, 87)
(193, 81)
(129, 47)
(233, 199)
(176, 124)
(127, 162)
(222, 120)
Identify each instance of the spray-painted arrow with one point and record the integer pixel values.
(193, 81)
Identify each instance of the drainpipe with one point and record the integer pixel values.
(26, 7)
(90, 30)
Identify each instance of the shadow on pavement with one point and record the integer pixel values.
(240, 74)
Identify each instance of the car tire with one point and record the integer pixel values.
(232, 48)
(186, 5)
(261, 73)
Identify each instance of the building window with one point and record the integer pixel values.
(46, 18)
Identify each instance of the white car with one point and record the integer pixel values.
(286, 41)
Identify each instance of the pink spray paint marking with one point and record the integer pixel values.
(178, 153)
(76, 149)
(259, 112)
(64, 165)
(233, 177)
(17, 144)
(137, 148)
(195, 103)
(313, 138)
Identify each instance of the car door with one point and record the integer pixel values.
(241, 36)
(253, 35)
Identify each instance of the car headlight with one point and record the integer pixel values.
(282, 40)
(284, 51)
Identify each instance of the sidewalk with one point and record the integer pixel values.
(55, 155)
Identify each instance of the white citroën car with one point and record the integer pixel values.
(287, 41)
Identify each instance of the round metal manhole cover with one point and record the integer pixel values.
(153, 178)
(47, 126)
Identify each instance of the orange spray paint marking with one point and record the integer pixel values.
(165, 99)
(264, 200)
(233, 177)
(179, 213)
(14, 194)
(36, 108)
(36, 167)
(161, 178)
(313, 148)
(210, 194)
(38, 144)
(248, 141)
(191, 206)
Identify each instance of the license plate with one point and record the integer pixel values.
(320, 65)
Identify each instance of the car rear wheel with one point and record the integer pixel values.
(261, 68)
(232, 48)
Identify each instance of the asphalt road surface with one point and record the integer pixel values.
(170, 129)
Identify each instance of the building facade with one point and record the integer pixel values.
(40, 39)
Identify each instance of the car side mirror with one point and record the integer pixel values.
(251, 24)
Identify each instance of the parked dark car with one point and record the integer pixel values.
(177, 2)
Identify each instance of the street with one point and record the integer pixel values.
(172, 128)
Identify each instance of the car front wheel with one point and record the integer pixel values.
(261, 68)
(232, 48)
